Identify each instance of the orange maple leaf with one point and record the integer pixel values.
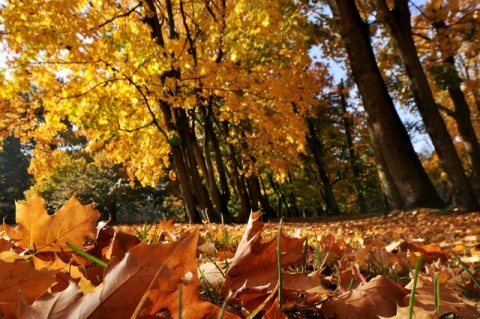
(155, 272)
(20, 276)
(38, 231)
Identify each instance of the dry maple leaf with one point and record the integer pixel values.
(156, 271)
(20, 276)
(379, 297)
(253, 270)
(450, 301)
(39, 231)
(275, 312)
(418, 313)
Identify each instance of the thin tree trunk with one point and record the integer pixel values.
(238, 185)
(267, 208)
(316, 148)
(462, 113)
(414, 186)
(398, 19)
(352, 157)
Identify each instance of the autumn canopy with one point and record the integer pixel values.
(230, 106)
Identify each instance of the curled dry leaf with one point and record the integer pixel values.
(39, 231)
(450, 301)
(253, 271)
(379, 297)
(17, 277)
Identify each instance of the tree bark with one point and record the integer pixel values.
(414, 186)
(237, 184)
(316, 148)
(393, 199)
(398, 20)
(462, 113)
(352, 157)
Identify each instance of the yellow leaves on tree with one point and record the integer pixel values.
(38, 231)
(98, 66)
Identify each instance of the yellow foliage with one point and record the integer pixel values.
(99, 65)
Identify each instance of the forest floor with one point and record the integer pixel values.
(354, 254)
(420, 264)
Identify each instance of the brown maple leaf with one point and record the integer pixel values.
(379, 297)
(253, 271)
(38, 231)
(418, 313)
(155, 272)
(450, 301)
(20, 276)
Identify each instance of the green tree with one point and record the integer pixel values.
(110, 191)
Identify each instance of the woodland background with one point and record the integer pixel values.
(212, 109)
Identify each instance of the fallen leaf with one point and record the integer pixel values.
(38, 231)
(253, 270)
(379, 297)
(418, 313)
(275, 312)
(450, 301)
(56, 305)
(156, 270)
(20, 276)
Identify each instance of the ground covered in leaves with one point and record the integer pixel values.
(68, 265)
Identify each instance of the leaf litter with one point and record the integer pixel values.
(350, 268)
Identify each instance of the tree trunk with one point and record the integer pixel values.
(414, 186)
(316, 148)
(238, 185)
(352, 157)
(267, 208)
(462, 114)
(398, 20)
(393, 199)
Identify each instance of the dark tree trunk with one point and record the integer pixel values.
(462, 116)
(393, 199)
(352, 157)
(267, 208)
(414, 186)
(398, 20)
(462, 113)
(187, 155)
(281, 197)
(237, 183)
(316, 147)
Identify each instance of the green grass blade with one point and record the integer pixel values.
(222, 311)
(304, 259)
(279, 264)
(436, 292)
(86, 255)
(414, 287)
(465, 267)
